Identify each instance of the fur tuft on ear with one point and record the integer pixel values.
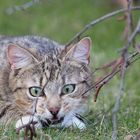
(18, 57)
(80, 51)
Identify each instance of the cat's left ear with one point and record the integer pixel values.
(81, 51)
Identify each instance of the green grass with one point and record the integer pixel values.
(60, 20)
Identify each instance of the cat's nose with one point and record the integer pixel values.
(54, 111)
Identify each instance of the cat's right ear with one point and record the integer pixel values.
(19, 57)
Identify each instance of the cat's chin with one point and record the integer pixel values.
(47, 122)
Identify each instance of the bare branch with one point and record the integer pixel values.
(25, 6)
(133, 35)
(104, 80)
(94, 22)
(29, 130)
(129, 22)
(131, 38)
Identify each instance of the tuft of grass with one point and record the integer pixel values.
(60, 20)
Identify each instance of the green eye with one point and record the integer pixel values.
(35, 91)
(68, 89)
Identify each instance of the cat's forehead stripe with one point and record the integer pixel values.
(41, 80)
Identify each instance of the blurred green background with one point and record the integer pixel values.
(60, 20)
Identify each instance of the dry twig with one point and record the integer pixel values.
(118, 65)
(29, 128)
(25, 6)
(129, 21)
(116, 68)
(94, 22)
(123, 71)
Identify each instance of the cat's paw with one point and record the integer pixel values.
(23, 121)
(78, 123)
(74, 122)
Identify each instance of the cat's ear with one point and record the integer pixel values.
(19, 57)
(80, 51)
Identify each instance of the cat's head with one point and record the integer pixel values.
(53, 87)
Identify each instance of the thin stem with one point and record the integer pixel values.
(94, 22)
(25, 6)
(108, 77)
(123, 72)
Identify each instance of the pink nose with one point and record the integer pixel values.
(54, 111)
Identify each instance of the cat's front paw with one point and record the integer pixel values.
(74, 122)
(78, 123)
(26, 120)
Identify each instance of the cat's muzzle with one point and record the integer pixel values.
(46, 123)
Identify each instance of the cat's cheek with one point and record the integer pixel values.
(47, 114)
(44, 113)
(41, 109)
(65, 109)
(85, 98)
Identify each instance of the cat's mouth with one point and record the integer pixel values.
(47, 122)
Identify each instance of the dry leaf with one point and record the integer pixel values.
(138, 135)
(128, 137)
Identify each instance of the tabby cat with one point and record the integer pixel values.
(43, 81)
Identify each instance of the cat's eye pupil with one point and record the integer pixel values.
(68, 89)
(36, 91)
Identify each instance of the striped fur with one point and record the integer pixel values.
(49, 69)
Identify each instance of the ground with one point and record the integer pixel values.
(60, 20)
